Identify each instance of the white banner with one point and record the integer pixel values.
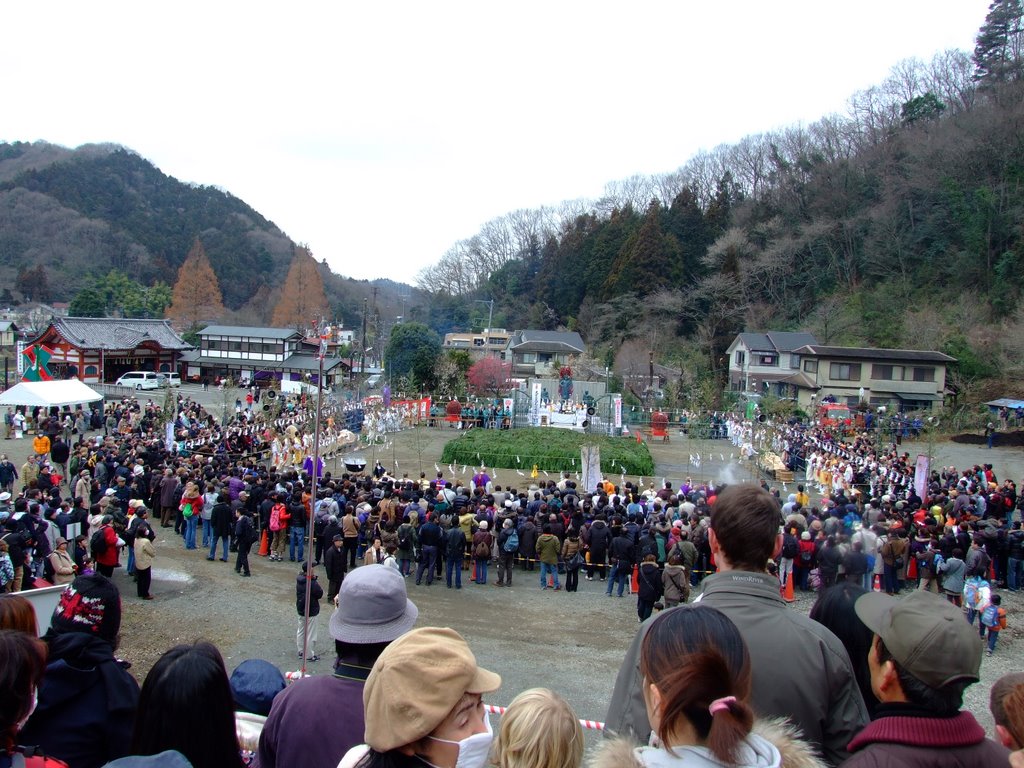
(921, 475)
(535, 404)
(590, 462)
(617, 405)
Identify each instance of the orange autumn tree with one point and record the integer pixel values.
(302, 298)
(196, 297)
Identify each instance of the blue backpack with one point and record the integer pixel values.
(512, 542)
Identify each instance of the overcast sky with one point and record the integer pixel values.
(382, 133)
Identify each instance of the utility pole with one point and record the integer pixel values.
(362, 358)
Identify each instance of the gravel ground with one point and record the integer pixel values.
(572, 643)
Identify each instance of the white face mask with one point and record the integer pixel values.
(473, 750)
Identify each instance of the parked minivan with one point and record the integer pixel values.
(168, 379)
(139, 380)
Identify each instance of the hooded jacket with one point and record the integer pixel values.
(87, 702)
(772, 744)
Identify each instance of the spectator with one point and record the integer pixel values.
(922, 657)
(187, 705)
(800, 669)
(87, 701)
(17, 613)
(373, 610)
(307, 631)
(834, 609)
(538, 730)
(22, 663)
(255, 684)
(424, 704)
(696, 685)
(1006, 703)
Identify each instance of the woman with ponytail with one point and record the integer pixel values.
(696, 686)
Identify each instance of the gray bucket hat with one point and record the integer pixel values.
(373, 606)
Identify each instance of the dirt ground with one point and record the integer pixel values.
(572, 643)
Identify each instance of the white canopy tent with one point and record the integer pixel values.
(49, 393)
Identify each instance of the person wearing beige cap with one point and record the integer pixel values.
(64, 567)
(424, 705)
(922, 657)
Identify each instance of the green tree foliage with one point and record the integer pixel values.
(88, 302)
(997, 53)
(116, 295)
(413, 350)
(926, 107)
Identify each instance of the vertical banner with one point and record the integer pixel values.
(169, 436)
(921, 475)
(535, 404)
(617, 406)
(590, 461)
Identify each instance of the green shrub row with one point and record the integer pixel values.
(552, 450)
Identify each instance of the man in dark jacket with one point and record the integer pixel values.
(335, 565)
(431, 539)
(622, 556)
(454, 548)
(245, 537)
(87, 700)
(221, 527)
(528, 542)
(306, 633)
(296, 528)
(800, 670)
(598, 538)
(922, 658)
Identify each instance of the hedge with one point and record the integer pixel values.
(553, 450)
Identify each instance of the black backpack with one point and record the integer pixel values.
(790, 547)
(98, 543)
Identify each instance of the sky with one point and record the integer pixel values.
(380, 134)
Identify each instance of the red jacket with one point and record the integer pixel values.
(110, 555)
(801, 561)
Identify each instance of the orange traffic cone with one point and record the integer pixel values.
(551, 580)
(634, 581)
(788, 595)
(876, 583)
(472, 570)
(264, 544)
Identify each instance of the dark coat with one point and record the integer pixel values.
(335, 563)
(221, 519)
(315, 593)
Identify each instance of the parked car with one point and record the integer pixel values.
(169, 379)
(139, 380)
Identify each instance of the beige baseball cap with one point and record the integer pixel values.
(416, 682)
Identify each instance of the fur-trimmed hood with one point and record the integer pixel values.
(793, 752)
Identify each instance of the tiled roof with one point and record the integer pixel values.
(110, 333)
(250, 332)
(546, 341)
(868, 353)
(779, 341)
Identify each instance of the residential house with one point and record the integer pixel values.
(763, 363)
(264, 355)
(490, 342)
(903, 379)
(541, 353)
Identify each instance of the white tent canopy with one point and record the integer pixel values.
(49, 393)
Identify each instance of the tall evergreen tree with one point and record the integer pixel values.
(997, 53)
(196, 297)
(303, 300)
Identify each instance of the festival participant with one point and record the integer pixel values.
(922, 658)
(373, 611)
(308, 631)
(63, 565)
(424, 704)
(87, 700)
(17, 613)
(538, 730)
(1006, 703)
(800, 669)
(187, 706)
(696, 675)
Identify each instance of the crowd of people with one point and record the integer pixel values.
(736, 679)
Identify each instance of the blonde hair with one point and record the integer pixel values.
(538, 730)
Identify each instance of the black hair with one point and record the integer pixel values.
(942, 702)
(186, 704)
(834, 610)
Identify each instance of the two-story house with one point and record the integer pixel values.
(904, 379)
(762, 363)
(490, 342)
(541, 353)
(263, 355)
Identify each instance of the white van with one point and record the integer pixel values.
(139, 380)
(168, 379)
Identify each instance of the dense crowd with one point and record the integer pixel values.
(737, 679)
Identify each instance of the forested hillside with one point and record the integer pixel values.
(895, 224)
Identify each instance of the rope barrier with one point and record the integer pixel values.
(592, 725)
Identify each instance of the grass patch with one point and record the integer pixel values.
(554, 450)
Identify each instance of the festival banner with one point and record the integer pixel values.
(535, 404)
(921, 475)
(617, 405)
